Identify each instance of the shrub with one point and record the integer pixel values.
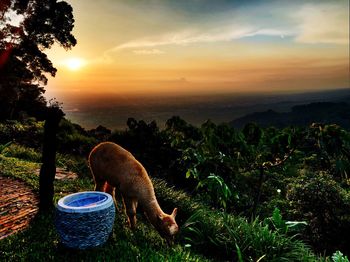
(74, 163)
(28, 133)
(74, 139)
(21, 152)
(339, 257)
(323, 203)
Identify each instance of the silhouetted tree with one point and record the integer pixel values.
(27, 28)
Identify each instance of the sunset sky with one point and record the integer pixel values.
(204, 46)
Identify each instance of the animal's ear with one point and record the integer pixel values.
(174, 212)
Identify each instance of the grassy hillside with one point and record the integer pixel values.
(40, 240)
(227, 211)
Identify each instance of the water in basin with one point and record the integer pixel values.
(86, 201)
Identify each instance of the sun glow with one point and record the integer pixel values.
(74, 63)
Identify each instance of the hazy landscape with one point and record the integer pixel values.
(112, 111)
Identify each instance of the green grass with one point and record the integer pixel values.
(20, 169)
(233, 237)
(40, 241)
(73, 163)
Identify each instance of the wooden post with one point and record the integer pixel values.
(258, 193)
(48, 168)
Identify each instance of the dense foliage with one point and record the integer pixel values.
(243, 181)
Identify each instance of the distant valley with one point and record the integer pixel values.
(113, 110)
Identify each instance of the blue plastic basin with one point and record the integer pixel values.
(84, 202)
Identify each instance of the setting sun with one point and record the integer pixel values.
(74, 63)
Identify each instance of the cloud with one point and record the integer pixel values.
(148, 52)
(312, 23)
(270, 32)
(187, 37)
(323, 23)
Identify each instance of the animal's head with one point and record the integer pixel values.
(167, 225)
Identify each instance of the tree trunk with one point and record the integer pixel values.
(48, 168)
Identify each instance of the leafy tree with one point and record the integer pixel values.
(320, 200)
(27, 28)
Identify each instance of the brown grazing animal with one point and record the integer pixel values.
(115, 168)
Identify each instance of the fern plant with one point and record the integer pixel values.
(339, 257)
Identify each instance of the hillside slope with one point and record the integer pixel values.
(302, 115)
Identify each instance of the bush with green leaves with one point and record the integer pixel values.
(74, 163)
(277, 223)
(152, 147)
(73, 139)
(324, 204)
(28, 133)
(22, 152)
(219, 194)
(339, 257)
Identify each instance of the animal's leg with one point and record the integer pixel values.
(109, 189)
(100, 185)
(112, 191)
(130, 206)
(124, 206)
(124, 210)
(119, 199)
